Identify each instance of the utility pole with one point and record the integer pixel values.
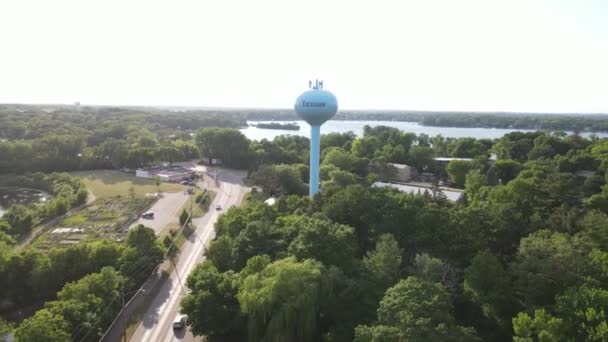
(122, 302)
(191, 203)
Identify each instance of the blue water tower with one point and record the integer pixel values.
(315, 106)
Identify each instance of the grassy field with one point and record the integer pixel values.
(111, 183)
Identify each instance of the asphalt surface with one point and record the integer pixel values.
(158, 319)
(165, 211)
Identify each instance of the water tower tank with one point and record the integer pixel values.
(316, 106)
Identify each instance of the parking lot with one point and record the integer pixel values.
(165, 210)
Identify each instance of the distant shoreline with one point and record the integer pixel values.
(275, 125)
(575, 122)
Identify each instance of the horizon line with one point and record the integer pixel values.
(229, 108)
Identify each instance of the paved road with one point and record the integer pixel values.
(157, 323)
(165, 211)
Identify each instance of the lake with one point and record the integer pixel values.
(10, 196)
(356, 127)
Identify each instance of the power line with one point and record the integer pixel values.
(135, 266)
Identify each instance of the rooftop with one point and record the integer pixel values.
(450, 159)
(399, 166)
(412, 189)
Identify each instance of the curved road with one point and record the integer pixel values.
(157, 322)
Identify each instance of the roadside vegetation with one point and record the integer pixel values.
(74, 291)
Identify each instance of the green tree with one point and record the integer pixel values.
(384, 263)
(257, 238)
(184, 218)
(227, 144)
(142, 254)
(429, 269)
(542, 327)
(546, 264)
(468, 148)
(157, 182)
(339, 158)
(488, 285)
(507, 169)
(44, 326)
(584, 312)
(5, 329)
(211, 304)
(339, 179)
(90, 304)
(220, 253)
(457, 171)
(421, 157)
(414, 310)
(20, 219)
(364, 147)
(473, 185)
(594, 229)
(282, 301)
(280, 180)
(325, 241)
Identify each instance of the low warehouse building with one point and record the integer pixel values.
(412, 189)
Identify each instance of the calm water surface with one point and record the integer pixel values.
(356, 127)
(10, 196)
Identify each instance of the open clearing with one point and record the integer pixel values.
(105, 219)
(111, 183)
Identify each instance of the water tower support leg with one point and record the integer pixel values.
(315, 138)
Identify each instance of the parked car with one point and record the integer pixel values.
(179, 322)
(148, 215)
(218, 207)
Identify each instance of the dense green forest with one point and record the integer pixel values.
(523, 256)
(66, 139)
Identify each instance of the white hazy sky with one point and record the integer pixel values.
(545, 56)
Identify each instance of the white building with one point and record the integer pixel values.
(452, 195)
(166, 174)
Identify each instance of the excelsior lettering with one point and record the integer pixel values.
(313, 104)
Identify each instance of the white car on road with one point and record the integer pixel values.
(179, 322)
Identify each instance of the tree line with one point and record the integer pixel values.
(98, 138)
